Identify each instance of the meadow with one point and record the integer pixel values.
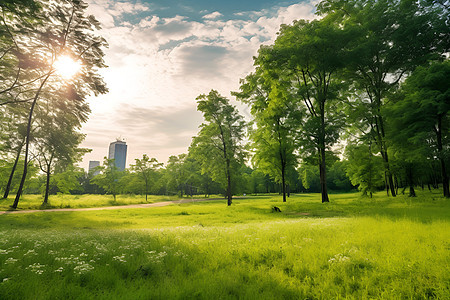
(80, 201)
(350, 248)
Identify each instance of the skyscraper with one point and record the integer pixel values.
(118, 152)
(92, 165)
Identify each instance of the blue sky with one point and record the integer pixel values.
(162, 55)
(196, 9)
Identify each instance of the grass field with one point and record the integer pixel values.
(354, 248)
(80, 201)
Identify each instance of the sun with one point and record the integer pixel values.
(67, 67)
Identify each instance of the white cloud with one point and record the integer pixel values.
(213, 15)
(158, 66)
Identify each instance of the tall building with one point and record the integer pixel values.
(118, 152)
(92, 165)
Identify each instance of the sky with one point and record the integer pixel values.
(162, 55)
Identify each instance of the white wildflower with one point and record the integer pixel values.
(10, 260)
(36, 268)
(83, 268)
(339, 258)
(120, 258)
(31, 252)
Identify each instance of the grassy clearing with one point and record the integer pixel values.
(351, 248)
(81, 201)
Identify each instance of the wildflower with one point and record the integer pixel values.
(339, 258)
(60, 269)
(31, 252)
(157, 257)
(10, 260)
(83, 268)
(120, 258)
(36, 268)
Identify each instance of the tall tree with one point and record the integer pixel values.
(390, 38)
(218, 145)
(57, 138)
(308, 57)
(64, 33)
(422, 113)
(277, 118)
(146, 168)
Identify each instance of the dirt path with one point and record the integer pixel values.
(145, 205)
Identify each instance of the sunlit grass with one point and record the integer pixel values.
(355, 248)
(81, 201)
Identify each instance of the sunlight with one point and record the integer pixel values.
(66, 67)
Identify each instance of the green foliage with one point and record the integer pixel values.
(67, 182)
(147, 169)
(277, 118)
(109, 177)
(34, 38)
(419, 122)
(218, 145)
(305, 61)
(337, 177)
(389, 39)
(364, 168)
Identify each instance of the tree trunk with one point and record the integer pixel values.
(396, 185)
(27, 142)
(323, 181)
(229, 197)
(11, 175)
(47, 186)
(283, 182)
(146, 190)
(412, 192)
(445, 184)
(322, 161)
(383, 149)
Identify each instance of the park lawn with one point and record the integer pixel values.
(356, 248)
(80, 201)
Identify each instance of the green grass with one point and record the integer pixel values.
(354, 248)
(80, 201)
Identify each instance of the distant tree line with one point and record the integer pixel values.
(358, 98)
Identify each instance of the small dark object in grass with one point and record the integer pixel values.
(276, 209)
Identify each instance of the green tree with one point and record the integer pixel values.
(218, 145)
(109, 177)
(337, 177)
(420, 118)
(63, 30)
(364, 169)
(68, 181)
(277, 118)
(176, 174)
(307, 56)
(57, 146)
(390, 38)
(147, 169)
